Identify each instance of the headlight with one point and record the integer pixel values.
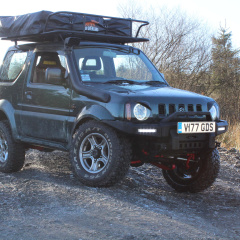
(141, 113)
(214, 111)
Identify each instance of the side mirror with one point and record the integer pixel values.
(54, 76)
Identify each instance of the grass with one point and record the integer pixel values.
(231, 139)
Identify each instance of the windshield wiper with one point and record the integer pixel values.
(122, 81)
(155, 83)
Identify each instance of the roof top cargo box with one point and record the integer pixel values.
(48, 26)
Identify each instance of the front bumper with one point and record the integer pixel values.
(163, 136)
(161, 129)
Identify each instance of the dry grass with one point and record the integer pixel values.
(231, 139)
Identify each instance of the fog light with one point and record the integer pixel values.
(221, 129)
(143, 130)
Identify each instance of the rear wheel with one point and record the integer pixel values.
(200, 175)
(99, 155)
(12, 154)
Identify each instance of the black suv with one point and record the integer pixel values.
(80, 88)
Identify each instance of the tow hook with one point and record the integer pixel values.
(190, 156)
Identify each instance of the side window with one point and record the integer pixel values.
(12, 66)
(45, 60)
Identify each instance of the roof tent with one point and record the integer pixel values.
(48, 26)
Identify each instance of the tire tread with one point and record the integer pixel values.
(121, 161)
(206, 178)
(16, 151)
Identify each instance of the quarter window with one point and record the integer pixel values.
(12, 66)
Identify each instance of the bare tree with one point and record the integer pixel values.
(179, 46)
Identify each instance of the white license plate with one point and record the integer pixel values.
(196, 127)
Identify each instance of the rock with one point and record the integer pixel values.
(221, 149)
(233, 150)
(237, 165)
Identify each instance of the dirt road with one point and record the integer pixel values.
(44, 201)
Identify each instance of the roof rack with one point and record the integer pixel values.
(47, 26)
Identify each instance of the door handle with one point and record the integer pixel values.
(28, 95)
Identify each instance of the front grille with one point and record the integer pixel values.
(168, 109)
(172, 108)
(190, 108)
(199, 107)
(161, 109)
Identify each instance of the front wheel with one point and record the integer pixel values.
(100, 157)
(198, 177)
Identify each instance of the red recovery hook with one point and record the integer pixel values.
(190, 156)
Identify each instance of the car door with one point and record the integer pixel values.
(45, 106)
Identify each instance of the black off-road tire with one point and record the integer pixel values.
(206, 173)
(100, 156)
(12, 154)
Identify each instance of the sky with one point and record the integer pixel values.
(214, 13)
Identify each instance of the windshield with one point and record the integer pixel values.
(108, 65)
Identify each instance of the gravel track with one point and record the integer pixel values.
(45, 201)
